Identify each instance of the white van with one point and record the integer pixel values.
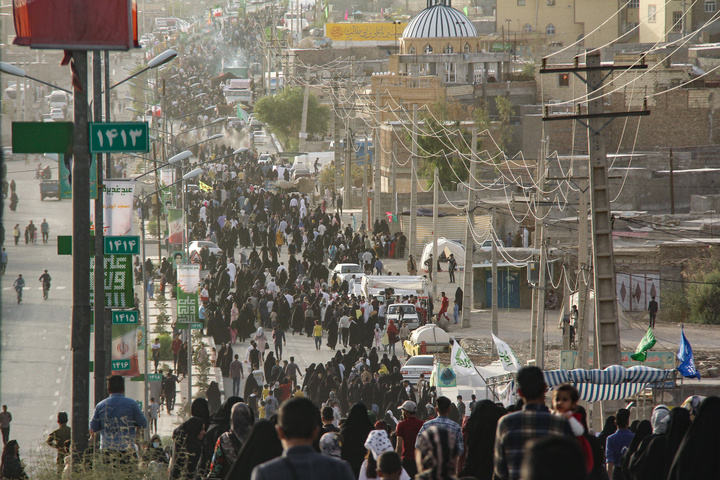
(58, 99)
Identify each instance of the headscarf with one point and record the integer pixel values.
(644, 430)
(259, 332)
(261, 445)
(331, 444)
(607, 430)
(187, 448)
(480, 444)
(438, 450)
(200, 408)
(241, 420)
(692, 404)
(378, 442)
(660, 419)
(697, 457)
(354, 433)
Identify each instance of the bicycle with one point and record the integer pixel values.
(45, 280)
(19, 283)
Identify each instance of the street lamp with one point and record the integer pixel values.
(19, 72)
(171, 161)
(159, 60)
(187, 176)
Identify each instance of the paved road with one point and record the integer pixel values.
(35, 360)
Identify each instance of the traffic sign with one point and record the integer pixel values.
(154, 377)
(109, 137)
(196, 326)
(120, 365)
(122, 245)
(42, 137)
(125, 317)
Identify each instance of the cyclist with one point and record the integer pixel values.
(45, 279)
(19, 284)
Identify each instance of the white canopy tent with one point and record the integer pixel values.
(447, 247)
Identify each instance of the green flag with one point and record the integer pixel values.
(465, 10)
(647, 342)
(327, 12)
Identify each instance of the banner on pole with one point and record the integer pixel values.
(188, 282)
(460, 362)
(508, 358)
(175, 221)
(124, 349)
(118, 198)
(64, 175)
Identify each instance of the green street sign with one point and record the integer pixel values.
(122, 245)
(42, 137)
(120, 365)
(154, 377)
(139, 402)
(124, 317)
(118, 137)
(196, 326)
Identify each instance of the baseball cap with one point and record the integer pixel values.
(409, 406)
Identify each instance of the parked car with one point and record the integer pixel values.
(198, 244)
(301, 173)
(487, 245)
(264, 158)
(403, 312)
(417, 365)
(260, 137)
(345, 271)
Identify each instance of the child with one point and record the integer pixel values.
(265, 392)
(213, 356)
(565, 400)
(261, 409)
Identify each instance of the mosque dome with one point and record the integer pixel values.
(439, 21)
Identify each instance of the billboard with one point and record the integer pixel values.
(364, 32)
(188, 282)
(76, 24)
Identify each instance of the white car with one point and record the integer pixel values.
(264, 158)
(345, 271)
(197, 245)
(403, 312)
(260, 137)
(419, 364)
(487, 245)
(57, 114)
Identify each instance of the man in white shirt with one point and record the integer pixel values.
(293, 202)
(272, 286)
(280, 268)
(232, 270)
(321, 228)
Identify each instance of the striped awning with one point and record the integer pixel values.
(613, 383)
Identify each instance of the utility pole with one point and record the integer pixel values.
(469, 239)
(607, 329)
(336, 136)
(303, 121)
(433, 270)
(100, 373)
(108, 174)
(376, 164)
(80, 340)
(494, 290)
(366, 163)
(540, 320)
(347, 190)
(538, 307)
(581, 361)
(672, 183)
(413, 185)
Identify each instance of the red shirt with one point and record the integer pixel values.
(408, 430)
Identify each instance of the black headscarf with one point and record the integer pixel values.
(262, 445)
(480, 444)
(187, 448)
(200, 408)
(268, 365)
(656, 452)
(354, 432)
(213, 397)
(250, 385)
(643, 430)
(697, 457)
(219, 425)
(607, 430)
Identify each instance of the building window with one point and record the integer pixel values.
(550, 29)
(564, 80)
(677, 21)
(412, 51)
(428, 48)
(448, 48)
(634, 4)
(527, 28)
(710, 6)
(520, 3)
(652, 10)
(466, 48)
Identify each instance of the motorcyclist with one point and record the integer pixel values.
(19, 284)
(45, 280)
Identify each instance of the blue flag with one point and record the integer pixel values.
(685, 355)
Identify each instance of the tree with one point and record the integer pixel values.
(283, 114)
(704, 298)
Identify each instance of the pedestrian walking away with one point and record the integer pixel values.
(653, 310)
(5, 419)
(45, 230)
